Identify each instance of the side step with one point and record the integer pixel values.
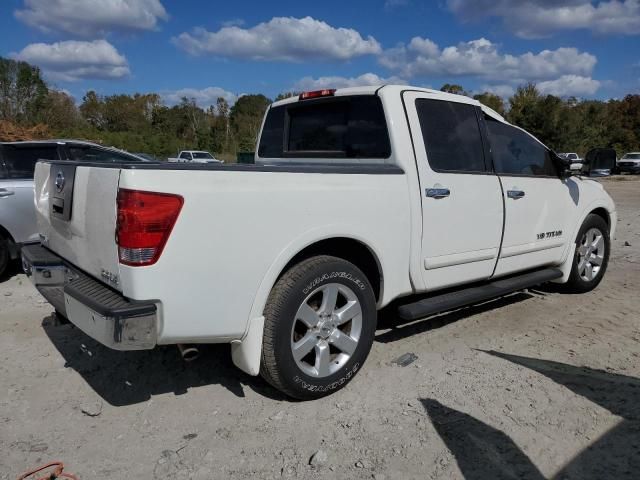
(466, 296)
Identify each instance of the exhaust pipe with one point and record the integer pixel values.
(188, 352)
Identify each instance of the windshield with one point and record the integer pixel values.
(631, 156)
(572, 156)
(202, 155)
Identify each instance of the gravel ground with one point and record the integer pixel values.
(534, 385)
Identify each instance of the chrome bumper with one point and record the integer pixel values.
(100, 312)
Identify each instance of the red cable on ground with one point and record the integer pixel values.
(52, 475)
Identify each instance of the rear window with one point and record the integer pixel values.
(20, 160)
(86, 153)
(347, 127)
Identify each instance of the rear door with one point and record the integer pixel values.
(462, 204)
(17, 214)
(538, 203)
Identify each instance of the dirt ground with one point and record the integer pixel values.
(534, 385)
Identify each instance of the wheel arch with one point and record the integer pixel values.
(346, 248)
(13, 250)
(603, 213)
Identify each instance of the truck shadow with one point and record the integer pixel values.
(482, 451)
(126, 378)
(399, 331)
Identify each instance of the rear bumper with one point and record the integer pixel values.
(97, 310)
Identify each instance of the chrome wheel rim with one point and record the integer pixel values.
(591, 251)
(326, 330)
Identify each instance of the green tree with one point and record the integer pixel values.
(492, 101)
(23, 93)
(453, 88)
(246, 119)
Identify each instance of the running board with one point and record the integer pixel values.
(466, 296)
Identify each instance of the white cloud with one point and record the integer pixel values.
(504, 91)
(281, 38)
(92, 18)
(203, 97)
(540, 18)
(74, 60)
(569, 85)
(366, 79)
(482, 58)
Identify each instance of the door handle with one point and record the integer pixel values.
(6, 193)
(515, 194)
(437, 192)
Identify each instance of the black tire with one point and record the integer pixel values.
(577, 283)
(4, 255)
(294, 290)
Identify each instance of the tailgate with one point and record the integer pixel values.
(76, 215)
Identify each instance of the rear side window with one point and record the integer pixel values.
(185, 155)
(349, 127)
(517, 153)
(20, 160)
(451, 136)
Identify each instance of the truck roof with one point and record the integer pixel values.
(59, 141)
(398, 89)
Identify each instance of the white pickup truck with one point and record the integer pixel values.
(358, 197)
(195, 156)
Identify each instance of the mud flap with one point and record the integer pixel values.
(246, 353)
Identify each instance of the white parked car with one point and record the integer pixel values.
(17, 162)
(573, 157)
(195, 156)
(358, 197)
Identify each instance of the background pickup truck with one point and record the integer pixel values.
(195, 156)
(358, 197)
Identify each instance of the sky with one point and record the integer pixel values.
(207, 49)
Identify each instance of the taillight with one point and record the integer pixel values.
(145, 221)
(327, 92)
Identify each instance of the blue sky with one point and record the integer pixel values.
(205, 49)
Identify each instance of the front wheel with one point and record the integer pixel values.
(592, 255)
(320, 321)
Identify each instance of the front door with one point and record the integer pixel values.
(462, 207)
(538, 203)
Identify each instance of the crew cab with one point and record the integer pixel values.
(359, 197)
(195, 156)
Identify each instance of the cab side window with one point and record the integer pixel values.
(451, 136)
(185, 155)
(517, 153)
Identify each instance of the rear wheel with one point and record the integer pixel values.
(592, 255)
(320, 320)
(4, 255)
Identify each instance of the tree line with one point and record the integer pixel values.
(29, 108)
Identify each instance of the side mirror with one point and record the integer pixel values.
(599, 162)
